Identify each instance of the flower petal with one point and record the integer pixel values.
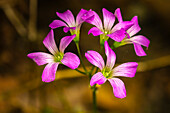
(135, 28)
(95, 58)
(65, 41)
(41, 58)
(95, 31)
(141, 40)
(108, 19)
(88, 16)
(79, 19)
(57, 23)
(118, 15)
(118, 35)
(125, 25)
(66, 29)
(49, 72)
(94, 20)
(71, 60)
(139, 50)
(111, 56)
(126, 69)
(97, 78)
(68, 17)
(118, 87)
(50, 43)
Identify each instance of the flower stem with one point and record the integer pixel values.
(101, 48)
(94, 99)
(90, 72)
(80, 71)
(79, 53)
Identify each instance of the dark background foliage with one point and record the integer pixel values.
(24, 25)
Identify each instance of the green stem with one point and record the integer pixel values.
(78, 49)
(94, 89)
(101, 48)
(96, 70)
(91, 71)
(94, 99)
(80, 71)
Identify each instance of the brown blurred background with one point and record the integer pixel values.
(24, 25)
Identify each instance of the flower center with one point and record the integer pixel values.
(107, 72)
(105, 32)
(58, 57)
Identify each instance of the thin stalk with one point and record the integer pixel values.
(101, 48)
(78, 49)
(96, 70)
(91, 71)
(94, 89)
(80, 71)
(94, 99)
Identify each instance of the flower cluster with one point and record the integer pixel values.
(122, 33)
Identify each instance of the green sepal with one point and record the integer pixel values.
(77, 32)
(118, 44)
(103, 38)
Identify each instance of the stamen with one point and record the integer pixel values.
(58, 57)
(106, 72)
(105, 32)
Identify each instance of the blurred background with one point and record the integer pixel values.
(24, 25)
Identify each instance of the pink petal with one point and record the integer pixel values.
(97, 78)
(49, 72)
(41, 58)
(135, 28)
(111, 56)
(66, 29)
(118, 87)
(139, 50)
(95, 58)
(141, 40)
(88, 17)
(118, 35)
(95, 31)
(125, 25)
(118, 15)
(57, 23)
(50, 43)
(68, 17)
(108, 19)
(71, 60)
(79, 19)
(65, 41)
(126, 69)
(94, 20)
